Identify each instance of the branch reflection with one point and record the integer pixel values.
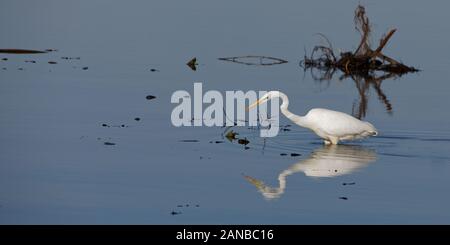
(363, 82)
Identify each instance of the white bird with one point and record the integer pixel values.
(331, 126)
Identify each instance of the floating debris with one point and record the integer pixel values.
(343, 198)
(243, 141)
(255, 60)
(109, 143)
(150, 97)
(70, 58)
(53, 62)
(217, 142)
(137, 119)
(51, 50)
(85, 68)
(21, 51)
(295, 154)
(30, 61)
(154, 70)
(115, 126)
(4, 59)
(349, 183)
(192, 64)
(283, 154)
(231, 135)
(20, 69)
(175, 213)
(189, 141)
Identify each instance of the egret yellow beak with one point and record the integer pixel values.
(254, 105)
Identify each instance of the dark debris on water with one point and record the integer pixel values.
(70, 58)
(216, 142)
(348, 183)
(192, 64)
(291, 154)
(21, 51)
(231, 135)
(189, 141)
(243, 141)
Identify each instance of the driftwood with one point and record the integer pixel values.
(255, 60)
(364, 59)
(22, 51)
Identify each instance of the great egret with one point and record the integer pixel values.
(325, 162)
(332, 126)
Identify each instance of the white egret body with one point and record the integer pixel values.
(332, 126)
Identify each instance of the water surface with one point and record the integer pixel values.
(55, 167)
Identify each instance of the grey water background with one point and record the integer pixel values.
(55, 168)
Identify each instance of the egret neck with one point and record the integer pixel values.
(291, 116)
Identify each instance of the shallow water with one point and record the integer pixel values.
(55, 167)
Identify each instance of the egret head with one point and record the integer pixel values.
(264, 99)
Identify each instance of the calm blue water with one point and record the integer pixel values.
(55, 168)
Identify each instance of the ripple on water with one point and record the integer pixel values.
(393, 143)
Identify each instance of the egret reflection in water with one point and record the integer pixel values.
(326, 161)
